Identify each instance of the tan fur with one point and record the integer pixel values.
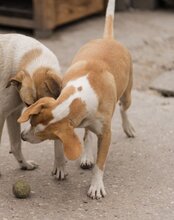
(62, 130)
(69, 91)
(107, 66)
(34, 109)
(77, 112)
(28, 58)
(108, 33)
(47, 83)
(23, 82)
(44, 82)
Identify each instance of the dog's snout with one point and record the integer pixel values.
(23, 136)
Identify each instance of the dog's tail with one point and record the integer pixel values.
(109, 20)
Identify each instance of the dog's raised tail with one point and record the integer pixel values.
(109, 20)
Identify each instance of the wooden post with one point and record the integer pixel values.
(44, 17)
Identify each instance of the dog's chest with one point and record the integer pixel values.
(93, 123)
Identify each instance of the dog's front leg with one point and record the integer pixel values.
(97, 190)
(87, 159)
(59, 161)
(15, 141)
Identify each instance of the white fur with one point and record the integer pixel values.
(110, 8)
(87, 95)
(28, 134)
(127, 127)
(87, 158)
(39, 127)
(59, 170)
(97, 189)
(12, 49)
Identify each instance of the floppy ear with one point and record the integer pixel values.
(16, 80)
(71, 143)
(53, 83)
(32, 110)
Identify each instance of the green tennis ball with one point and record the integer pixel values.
(21, 189)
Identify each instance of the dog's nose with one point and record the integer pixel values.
(23, 136)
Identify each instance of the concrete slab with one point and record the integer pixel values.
(139, 173)
(139, 177)
(164, 84)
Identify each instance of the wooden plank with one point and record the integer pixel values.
(18, 22)
(72, 9)
(44, 14)
(141, 4)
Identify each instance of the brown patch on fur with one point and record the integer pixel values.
(29, 57)
(40, 112)
(104, 56)
(72, 75)
(103, 146)
(76, 66)
(65, 132)
(70, 90)
(23, 83)
(47, 82)
(80, 88)
(77, 111)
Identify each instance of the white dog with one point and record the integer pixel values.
(28, 71)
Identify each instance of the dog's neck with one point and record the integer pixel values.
(77, 101)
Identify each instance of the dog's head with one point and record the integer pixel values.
(43, 83)
(43, 126)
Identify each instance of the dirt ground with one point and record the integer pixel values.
(139, 176)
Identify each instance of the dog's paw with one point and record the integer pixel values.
(97, 191)
(28, 165)
(129, 130)
(59, 172)
(87, 162)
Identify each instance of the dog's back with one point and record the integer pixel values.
(107, 54)
(17, 50)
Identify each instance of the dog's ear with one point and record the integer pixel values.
(53, 84)
(71, 143)
(16, 80)
(32, 110)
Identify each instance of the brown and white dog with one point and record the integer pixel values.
(28, 71)
(100, 75)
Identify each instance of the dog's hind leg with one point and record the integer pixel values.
(2, 120)
(87, 159)
(15, 140)
(125, 102)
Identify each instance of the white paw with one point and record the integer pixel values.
(129, 130)
(59, 172)
(87, 162)
(97, 190)
(28, 165)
